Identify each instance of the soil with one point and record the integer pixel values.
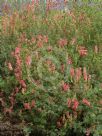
(6, 129)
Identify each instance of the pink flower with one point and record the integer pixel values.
(69, 61)
(40, 44)
(82, 51)
(86, 102)
(33, 2)
(16, 90)
(26, 106)
(72, 72)
(75, 104)
(33, 40)
(62, 42)
(45, 39)
(48, 62)
(22, 82)
(18, 61)
(10, 66)
(69, 102)
(18, 73)
(17, 50)
(39, 37)
(28, 60)
(65, 87)
(49, 48)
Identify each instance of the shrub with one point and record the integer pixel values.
(50, 67)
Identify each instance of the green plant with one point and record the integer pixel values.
(50, 67)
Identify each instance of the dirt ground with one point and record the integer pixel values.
(6, 129)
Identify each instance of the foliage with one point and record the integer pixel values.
(51, 77)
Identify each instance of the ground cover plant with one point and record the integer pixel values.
(50, 71)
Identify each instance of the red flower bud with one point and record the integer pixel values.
(65, 87)
(86, 102)
(22, 82)
(27, 106)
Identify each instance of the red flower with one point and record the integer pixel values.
(45, 39)
(65, 87)
(40, 44)
(17, 50)
(72, 72)
(75, 104)
(33, 40)
(69, 103)
(33, 2)
(22, 82)
(18, 74)
(49, 48)
(39, 37)
(18, 61)
(69, 61)
(26, 106)
(86, 102)
(62, 42)
(16, 90)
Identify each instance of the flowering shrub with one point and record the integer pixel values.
(51, 78)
